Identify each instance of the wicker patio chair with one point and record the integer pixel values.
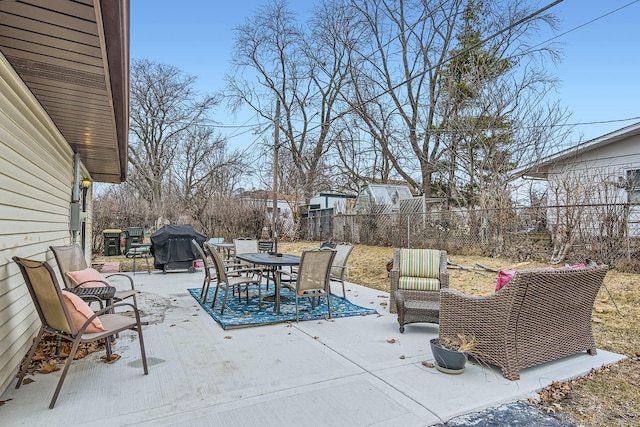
(311, 279)
(339, 266)
(70, 258)
(416, 279)
(70, 319)
(537, 317)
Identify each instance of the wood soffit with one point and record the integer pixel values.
(74, 57)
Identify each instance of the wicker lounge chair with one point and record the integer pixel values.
(416, 278)
(67, 320)
(537, 317)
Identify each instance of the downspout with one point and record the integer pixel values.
(74, 223)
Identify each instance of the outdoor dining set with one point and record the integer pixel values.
(238, 266)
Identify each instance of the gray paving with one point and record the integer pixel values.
(344, 372)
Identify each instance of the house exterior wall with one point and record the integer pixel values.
(336, 201)
(36, 178)
(596, 177)
(285, 217)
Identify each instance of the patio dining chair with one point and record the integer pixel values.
(245, 246)
(312, 277)
(208, 267)
(339, 266)
(68, 317)
(76, 273)
(234, 280)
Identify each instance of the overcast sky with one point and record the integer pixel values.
(599, 71)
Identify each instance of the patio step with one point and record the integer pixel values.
(111, 267)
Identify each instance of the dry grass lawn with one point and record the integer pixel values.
(607, 397)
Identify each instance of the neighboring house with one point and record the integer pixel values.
(594, 178)
(64, 80)
(384, 197)
(284, 205)
(339, 202)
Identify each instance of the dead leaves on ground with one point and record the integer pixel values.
(550, 396)
(47, 368)
(45, 360)
(114, 357)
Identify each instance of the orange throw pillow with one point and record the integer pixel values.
(80, 312)
(88, 278)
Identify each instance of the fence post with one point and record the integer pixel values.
(408, 231)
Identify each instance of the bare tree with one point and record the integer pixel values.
(205, 171)
(164, 107)
(304, 72)
(437, 98)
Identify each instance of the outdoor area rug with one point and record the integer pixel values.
(240, 315)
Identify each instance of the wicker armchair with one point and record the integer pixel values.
(413, 302)
(537, 317)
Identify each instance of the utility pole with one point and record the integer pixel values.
(275, 177)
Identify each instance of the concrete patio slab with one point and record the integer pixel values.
(349, 371)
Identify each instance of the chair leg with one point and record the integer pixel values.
(224, 300)
(215, 295)
(205, 289)
(260, 294)
(27, 361)
(204, 284)
(328, 295)
(143, 353)
(67, 365)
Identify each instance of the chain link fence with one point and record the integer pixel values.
(568, 234)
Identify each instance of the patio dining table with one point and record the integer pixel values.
(272, 262)
(226, 248)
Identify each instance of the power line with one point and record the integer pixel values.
(586, 23)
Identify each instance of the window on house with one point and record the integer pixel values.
(633, 180)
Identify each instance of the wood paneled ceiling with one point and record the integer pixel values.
(74, 57)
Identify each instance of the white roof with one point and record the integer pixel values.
(540, 168)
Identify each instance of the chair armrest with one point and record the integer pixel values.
(444, 280)
(252, 270)
(108, 310)
(394, 279)
(487, 318)
(123, 275)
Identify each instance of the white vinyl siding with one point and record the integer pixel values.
(36, 175)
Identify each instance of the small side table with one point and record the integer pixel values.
(416, 311)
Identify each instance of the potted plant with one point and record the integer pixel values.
(451, 354)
